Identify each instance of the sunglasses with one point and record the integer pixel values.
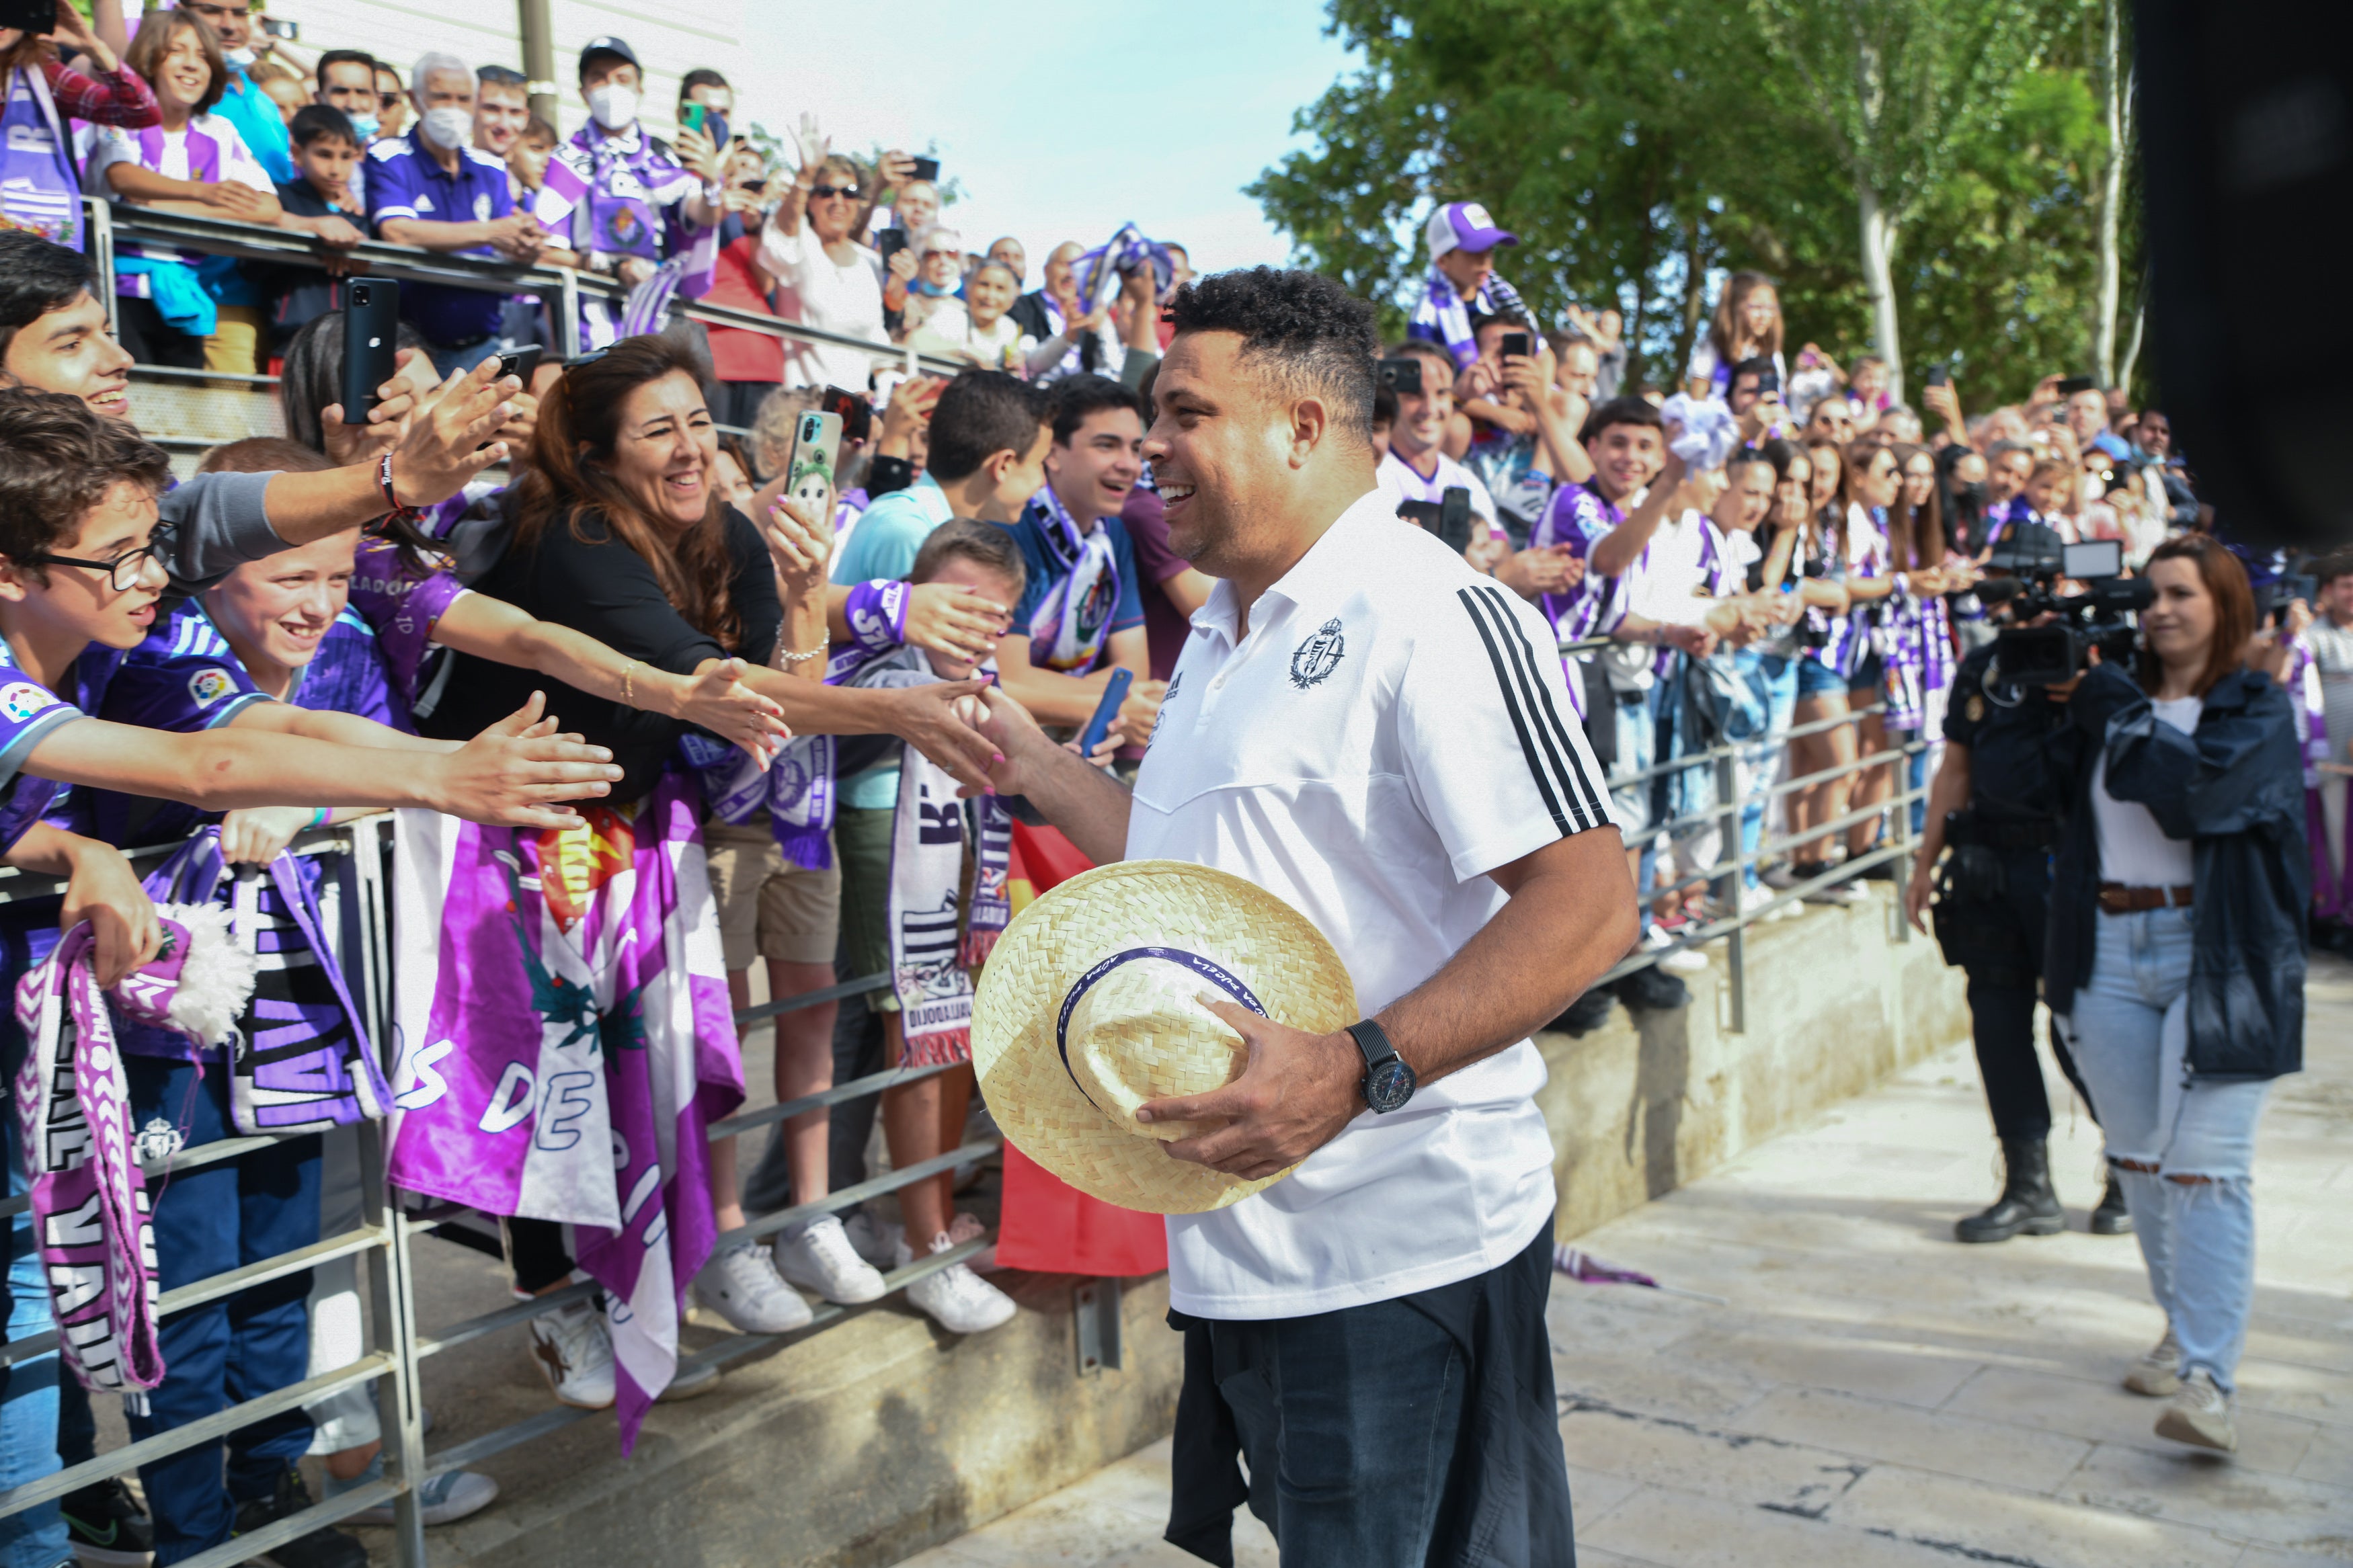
(820, 192)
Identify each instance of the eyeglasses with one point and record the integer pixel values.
(123, 570)
(819, 193)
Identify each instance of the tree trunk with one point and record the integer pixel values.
(2111, 186)
(1878, 277)
(2132, 344)
(1694, 295)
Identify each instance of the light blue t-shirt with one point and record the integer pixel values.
(882, 545)
(255, 115)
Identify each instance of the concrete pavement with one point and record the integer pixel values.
(1876, 1392)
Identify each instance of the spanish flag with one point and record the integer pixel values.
(1047, 1224)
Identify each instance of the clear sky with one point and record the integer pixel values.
(1061, 118)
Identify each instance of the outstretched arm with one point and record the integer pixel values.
(101, 887)
(1088, 805)
(513, 772)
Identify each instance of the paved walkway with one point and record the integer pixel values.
(1876, 1393)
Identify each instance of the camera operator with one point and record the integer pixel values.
(1995, 803)
(2177, 946)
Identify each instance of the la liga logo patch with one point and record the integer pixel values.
(209, 686)
(20, 700)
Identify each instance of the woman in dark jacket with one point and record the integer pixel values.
(2176, 951)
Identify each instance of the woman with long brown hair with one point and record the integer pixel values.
(620, 533)
(1747, 325)
(2177, 949)
(1916, 632)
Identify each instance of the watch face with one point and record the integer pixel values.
(1388, 1086)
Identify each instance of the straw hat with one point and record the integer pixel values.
(1087, 1009)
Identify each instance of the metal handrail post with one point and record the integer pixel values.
(1899, 833)
(567, 325)
(1733, 889)
(98, 220)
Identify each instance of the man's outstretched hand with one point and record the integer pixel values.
(1294, 1095)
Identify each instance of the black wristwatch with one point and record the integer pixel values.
(1388, 1082)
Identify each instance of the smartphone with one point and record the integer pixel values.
(1106, 711)
(523, 361)
(1939, 375)
(2304, 586)
(1519, 345)
(33, 15)
(890, 243)
(1454, 518)
(1769, 383)
(816, 442)
(2075, 384)
(927, 169)
(371, 340)
(278, 27)
(857, 415)
(704, 118)
(1402, 374)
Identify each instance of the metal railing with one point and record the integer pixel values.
(398, 1345)
(111, 224)
(1727, 877)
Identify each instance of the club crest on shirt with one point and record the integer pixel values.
(209, 686)
(159, 1139)
(1318, 656)
(20, 700)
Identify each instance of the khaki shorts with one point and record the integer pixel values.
(769, 907)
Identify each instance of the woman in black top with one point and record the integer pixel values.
(620, 534)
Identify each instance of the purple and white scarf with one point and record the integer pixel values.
(1918, 641)
(566, 1041)
(797, 790)
(300, 1057)
(40, 184)
(92, 1216)
(931, 965)
(1071, 623)
(1443, 316)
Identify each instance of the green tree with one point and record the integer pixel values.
(1899, 88)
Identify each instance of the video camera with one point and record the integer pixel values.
(2029, 567)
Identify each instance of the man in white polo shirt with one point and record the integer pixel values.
(1365, 726)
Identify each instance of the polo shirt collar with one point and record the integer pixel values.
(1325, 570)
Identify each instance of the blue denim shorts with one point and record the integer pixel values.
(1816, 678)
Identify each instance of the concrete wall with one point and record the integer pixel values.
(1648, 1103)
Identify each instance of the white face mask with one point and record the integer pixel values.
(367, 125)
(240, 59)
(614, 108)
(447, 126)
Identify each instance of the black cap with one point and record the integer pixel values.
(609, 45)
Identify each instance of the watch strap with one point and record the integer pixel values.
(1374, 1042)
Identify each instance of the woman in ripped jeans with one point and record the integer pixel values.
(2179, 957)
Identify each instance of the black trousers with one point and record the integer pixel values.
(2002, 991)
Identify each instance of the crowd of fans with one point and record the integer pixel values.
(1776, 542)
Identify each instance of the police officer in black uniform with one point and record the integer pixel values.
(1994, 805)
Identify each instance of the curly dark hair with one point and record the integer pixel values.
(58, 460)
(1317, 337)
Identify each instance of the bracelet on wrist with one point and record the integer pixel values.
(791, 659)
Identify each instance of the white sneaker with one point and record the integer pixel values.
(741, 1285)
(2200, 1415)
(1780, 878)
(957, 1300)
(573, 1351)
(1844, 894)
(2157, 1373)
(1682, 960)
(875, 1242)
(822, 1259)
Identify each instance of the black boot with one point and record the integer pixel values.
(2112, 1218)
(2026, 1202)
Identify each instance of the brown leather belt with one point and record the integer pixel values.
(2116, 898)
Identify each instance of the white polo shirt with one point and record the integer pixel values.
(1394, 727)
